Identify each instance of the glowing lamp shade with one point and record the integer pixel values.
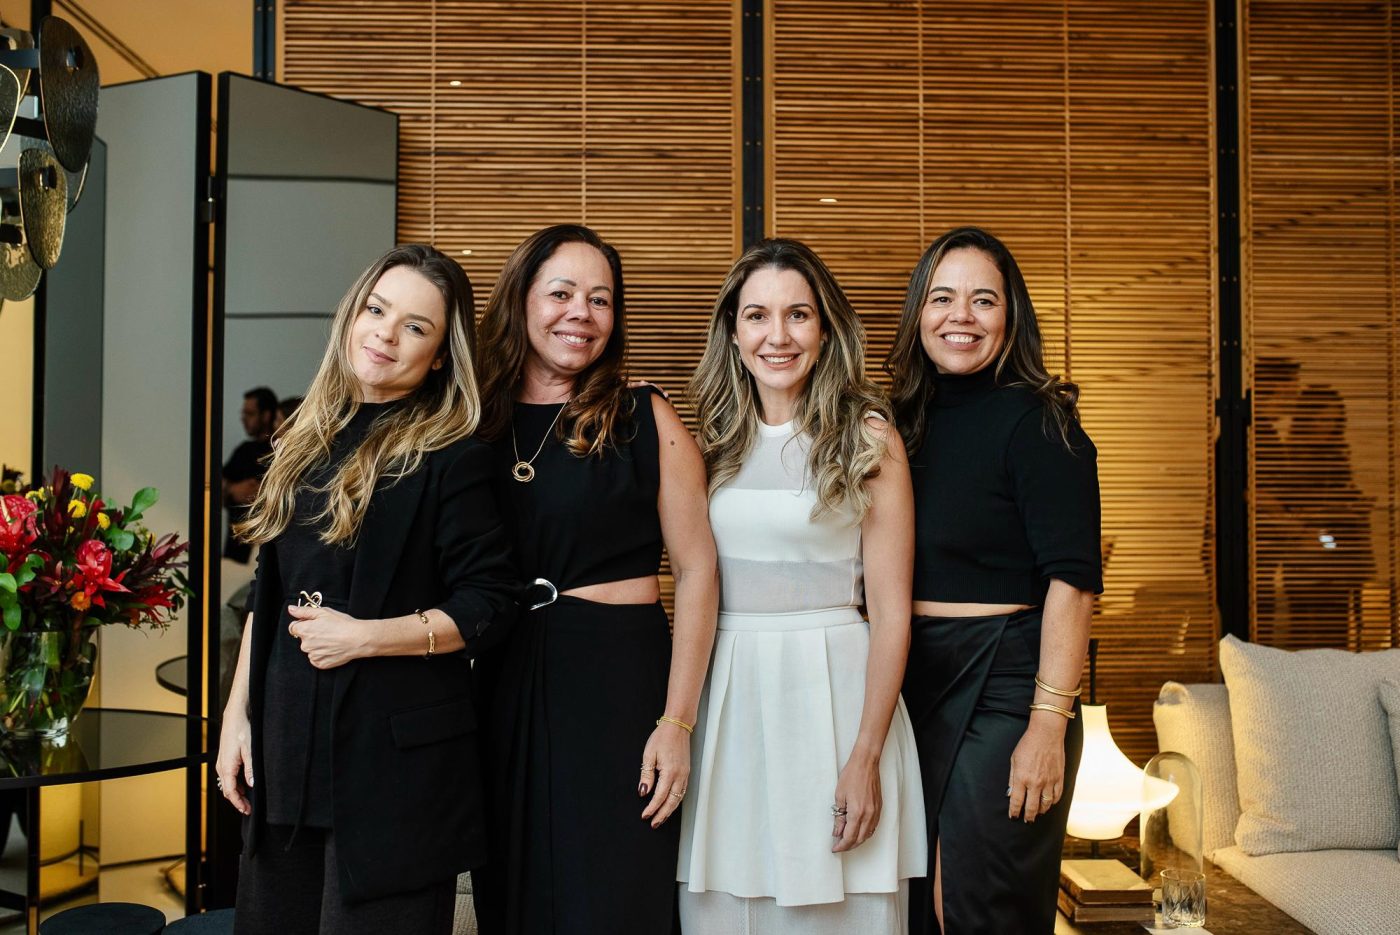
(1109, 791)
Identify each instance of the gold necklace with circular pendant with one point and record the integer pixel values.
(523, 471)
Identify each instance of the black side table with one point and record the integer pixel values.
(104, 743)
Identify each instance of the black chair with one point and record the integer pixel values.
(107, 918)
(216, 922)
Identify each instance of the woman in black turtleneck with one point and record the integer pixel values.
(1006, 566)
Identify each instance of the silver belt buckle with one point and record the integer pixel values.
(553, 592)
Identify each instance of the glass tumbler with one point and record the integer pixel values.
(1184, 898)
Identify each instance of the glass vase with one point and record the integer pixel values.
(45, 678)
(1171, 835)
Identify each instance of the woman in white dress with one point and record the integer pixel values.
(805, 812)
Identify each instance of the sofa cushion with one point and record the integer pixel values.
(1312, 748)
(1331, 892)
(1390, 700)
(1195, 720)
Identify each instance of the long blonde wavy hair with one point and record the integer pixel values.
(845, 450)
(443, 409)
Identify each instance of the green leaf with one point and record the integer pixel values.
(120, 539)
(145, 498)
(35, 561)
(92, 622)
(4, 562)
(24, 575)
(12, 617)
(7, 581)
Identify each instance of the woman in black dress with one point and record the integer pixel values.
(1006, 567)
(590, 704)
(383, 569)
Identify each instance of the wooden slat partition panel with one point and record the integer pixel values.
(622, 115)
(1080, 133)
(1321, 223)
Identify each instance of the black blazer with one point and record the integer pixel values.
(406, 803)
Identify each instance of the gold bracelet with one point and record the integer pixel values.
(1057, 691)
(432, 640)
(688, 728)
(1066, 712)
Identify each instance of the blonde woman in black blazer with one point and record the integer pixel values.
(349, 737)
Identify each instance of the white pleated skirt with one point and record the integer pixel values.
(778, 719)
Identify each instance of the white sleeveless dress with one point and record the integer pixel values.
(778, 718)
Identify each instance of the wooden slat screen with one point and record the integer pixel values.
(622, 115)
(1319, 152)
(1080, 132)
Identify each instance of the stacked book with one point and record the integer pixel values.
(1103, 891)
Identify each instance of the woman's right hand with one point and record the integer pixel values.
(234, 765)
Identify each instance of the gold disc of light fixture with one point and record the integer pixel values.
(19, 274)
(17, 40)
(43, 203)
(10, 94)
(68, 85)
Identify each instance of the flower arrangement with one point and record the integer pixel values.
(69, 564)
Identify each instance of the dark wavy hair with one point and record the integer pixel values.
(600, 398)
(1022, 358)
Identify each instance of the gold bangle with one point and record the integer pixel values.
(432, 640)
(1057, 691)
(1066, 712)
(688, 728)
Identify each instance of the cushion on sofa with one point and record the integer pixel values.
(1195, 720)
(1312, 748)
(1390, 700)
(1342, 892)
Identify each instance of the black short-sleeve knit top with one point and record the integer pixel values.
(1001, 503)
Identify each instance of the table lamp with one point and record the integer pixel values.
(1109, 791)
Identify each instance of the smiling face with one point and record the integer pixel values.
(963, 323)
(778, 332)
(569, 312)
(397, 338)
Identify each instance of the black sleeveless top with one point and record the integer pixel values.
(1001, 504)
(587, 520)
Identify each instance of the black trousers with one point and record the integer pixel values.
(968, 687)
(296, 891)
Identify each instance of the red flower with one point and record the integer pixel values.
(94, 570)
(17, 525)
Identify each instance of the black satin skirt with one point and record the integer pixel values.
(968, 687)
(569, 703)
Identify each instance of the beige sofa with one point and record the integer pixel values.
(1298, 762)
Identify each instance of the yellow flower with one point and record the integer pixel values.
(103, 521)
(36, 495)
(78, 509)
(80, 601)
(82, 481)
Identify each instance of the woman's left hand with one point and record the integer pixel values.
(328, 637)
(858, 792)
(1037, 770)
(665, 772)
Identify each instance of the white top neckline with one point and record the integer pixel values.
(774, 431)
